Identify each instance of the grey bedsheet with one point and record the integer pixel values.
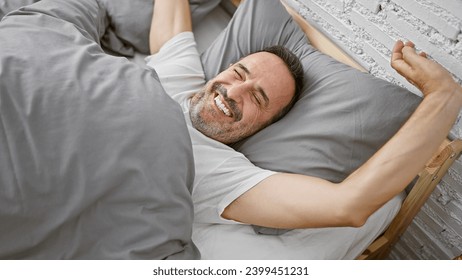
(95, 159)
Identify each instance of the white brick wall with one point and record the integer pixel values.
(367, 30)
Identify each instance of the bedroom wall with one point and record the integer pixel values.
(366, 30)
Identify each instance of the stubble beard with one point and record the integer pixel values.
(213, 129)
(198, 103)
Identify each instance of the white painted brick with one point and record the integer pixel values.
(434, 210)
(400, 253)
(372, 29)
(429, 217)
(427, 224)
(433, 246)
(410, 240)
(421, 242)
(422, 42)
(453, 187)
(431, 19)
(371, 5)
(417, 240)
(328, 17)
(384, 63)
(452, 6)
(456, 172)
(339, 4)
(294, 4)
(450, 180)
(442, 241)
(402, 250)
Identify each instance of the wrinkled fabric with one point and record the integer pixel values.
(95, 159)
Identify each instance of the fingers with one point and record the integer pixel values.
(427, 75)
(408, 63)
(405, 60)
(409, 44)
(397, 51)
(397, 59)
(410, 55)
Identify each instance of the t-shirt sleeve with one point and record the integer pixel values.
(221, 178)
(178, 66)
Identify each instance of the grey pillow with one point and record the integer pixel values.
(343, 115)
(96, 161)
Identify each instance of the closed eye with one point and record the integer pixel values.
(238, 75)
(259, 95)
(256, 99)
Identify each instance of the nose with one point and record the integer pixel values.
(238, 91)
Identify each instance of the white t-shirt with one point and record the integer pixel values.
(222, 174)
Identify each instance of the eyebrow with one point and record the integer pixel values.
(259, 89)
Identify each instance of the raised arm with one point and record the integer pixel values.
(169, 18)
(297, 201)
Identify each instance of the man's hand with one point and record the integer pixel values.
(428, 76)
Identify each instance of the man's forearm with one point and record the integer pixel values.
(397, 163)
(169, 18)
(394, 166)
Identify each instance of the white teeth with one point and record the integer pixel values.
(222, 106)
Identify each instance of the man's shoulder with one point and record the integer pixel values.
(178, 67)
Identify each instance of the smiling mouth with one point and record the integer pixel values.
(222, 106)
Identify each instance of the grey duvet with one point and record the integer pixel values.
(95, 158)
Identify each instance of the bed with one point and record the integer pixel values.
(94, 186)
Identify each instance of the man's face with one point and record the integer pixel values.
(242, 99)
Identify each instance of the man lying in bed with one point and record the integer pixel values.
(249, 95)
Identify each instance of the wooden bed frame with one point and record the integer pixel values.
(427, 179)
